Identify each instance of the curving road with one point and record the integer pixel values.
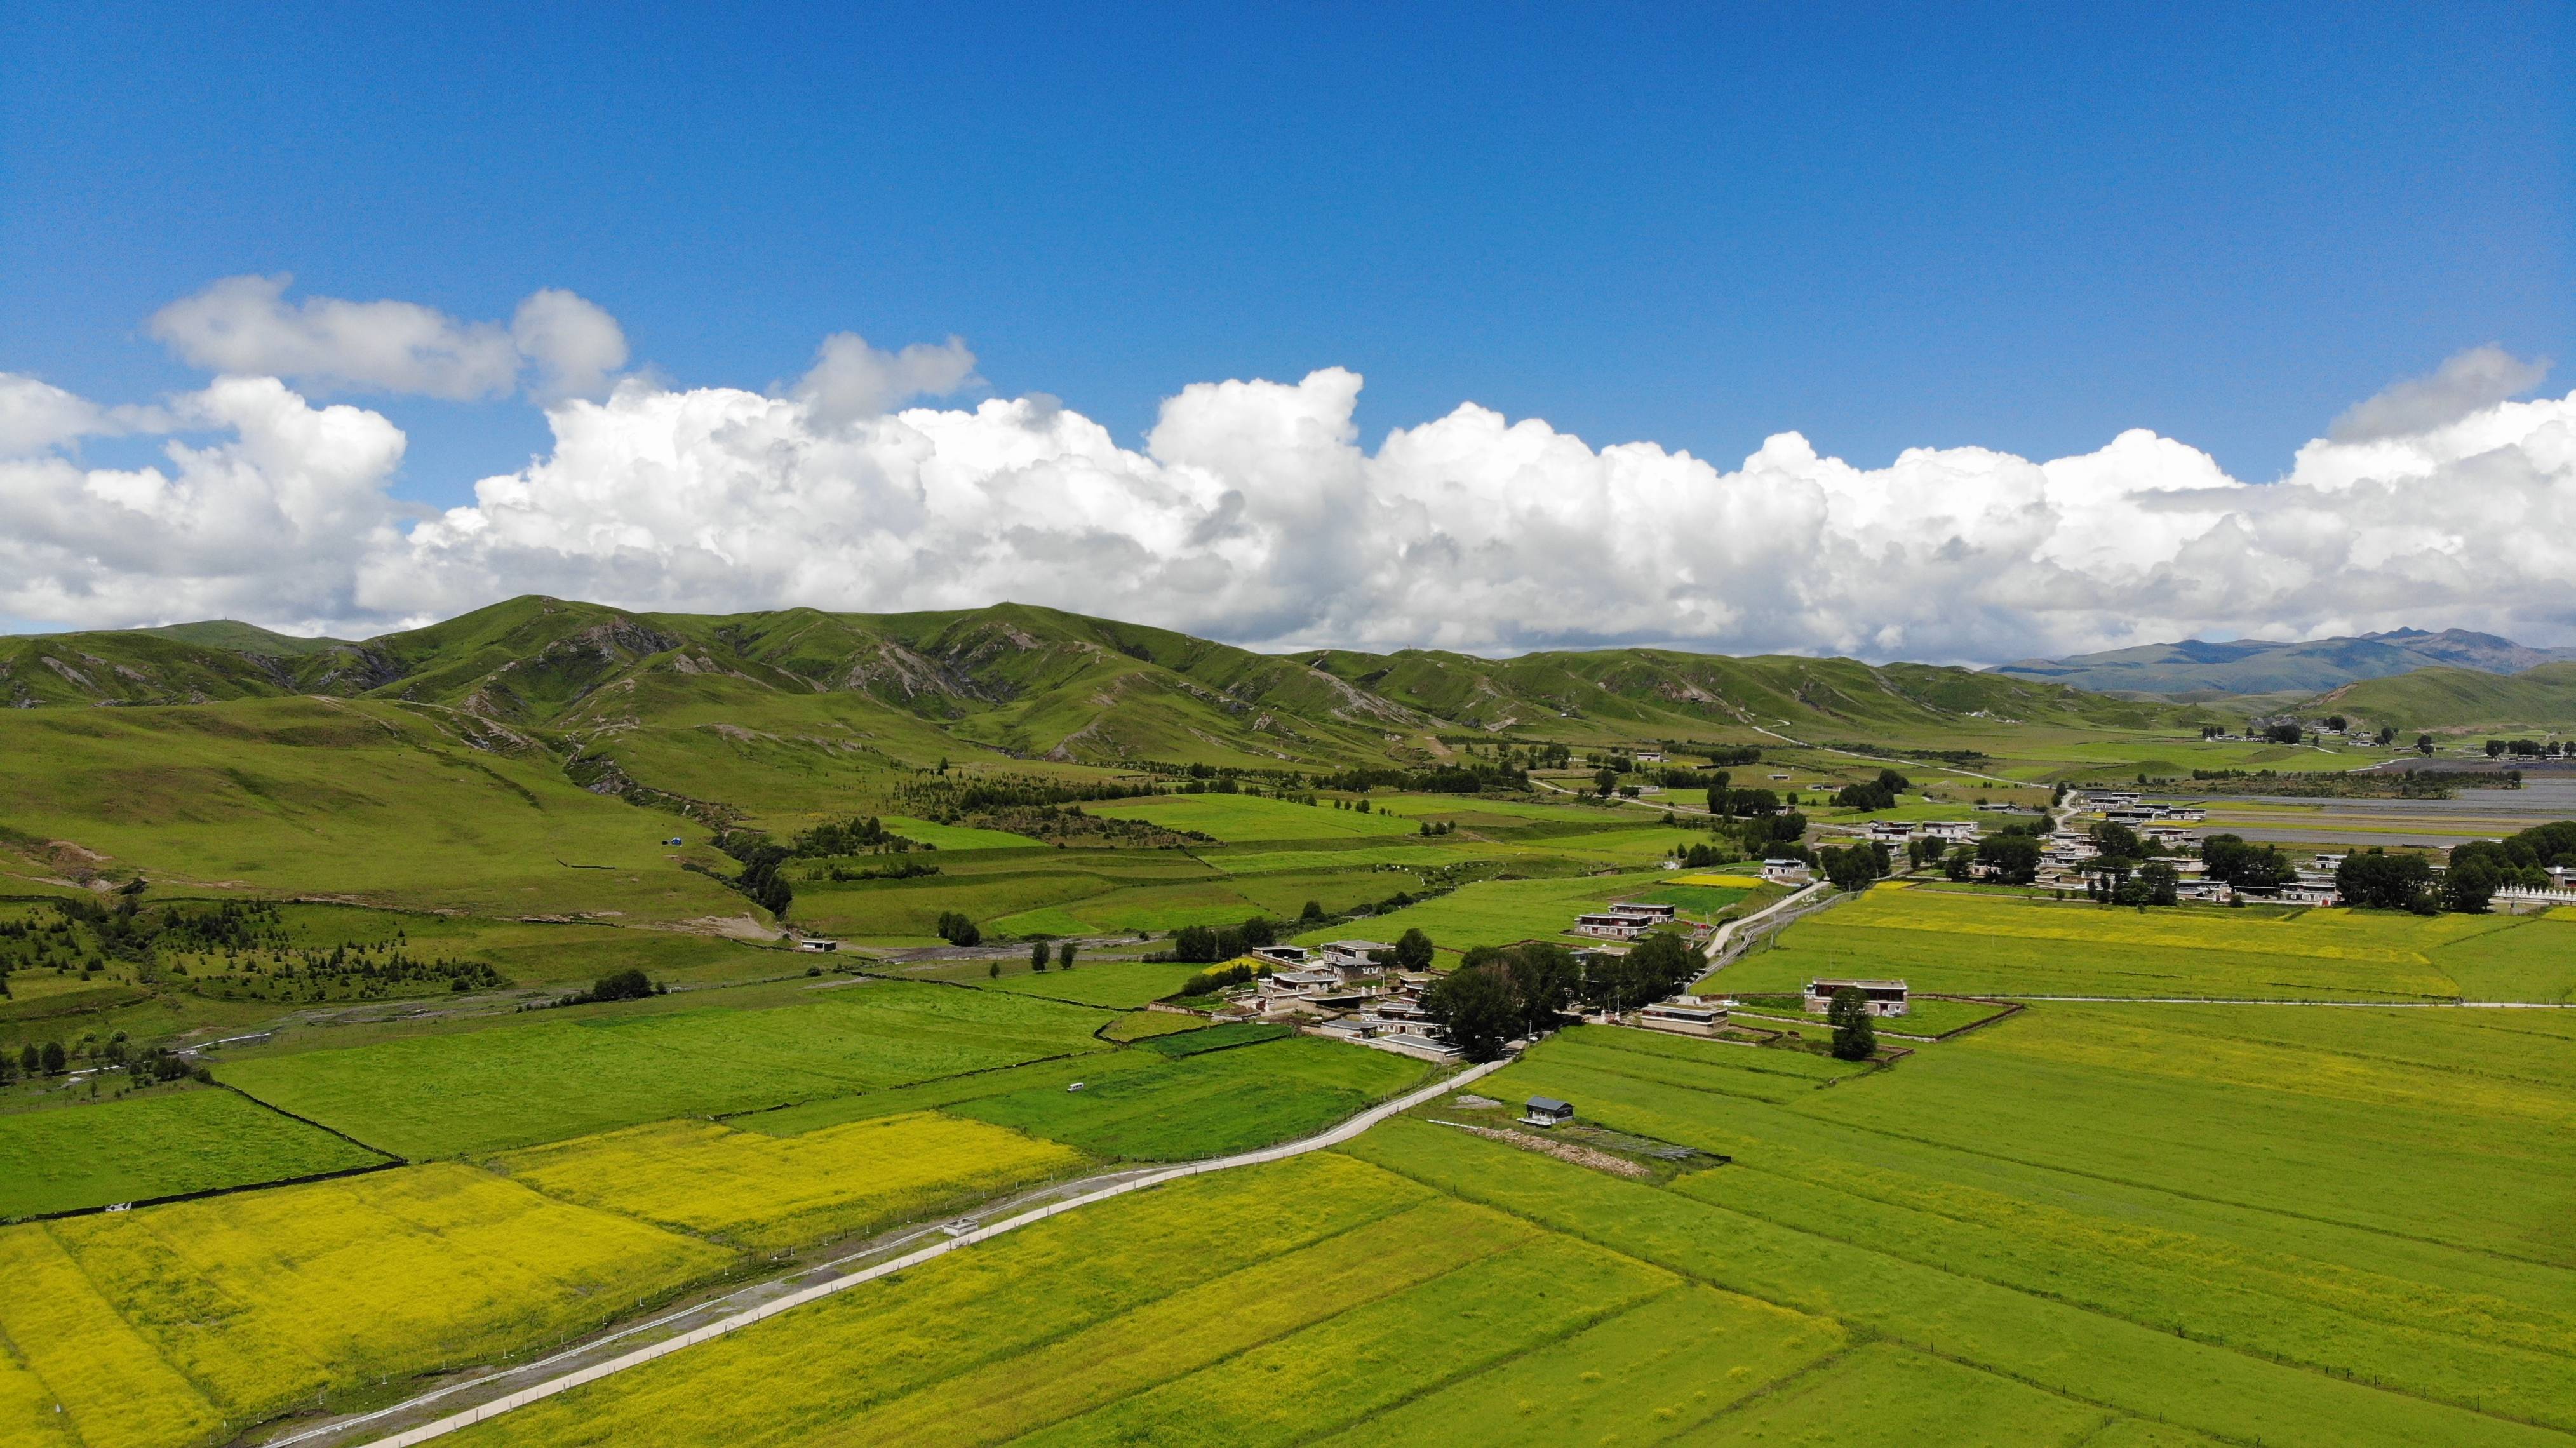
(1129, 1182)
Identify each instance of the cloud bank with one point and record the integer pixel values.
(1252, 513)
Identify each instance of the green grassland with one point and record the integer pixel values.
(1967, 944)
(1120, 984)
(1497, 912)
(518, 1084)
(164, 1144)
(369, 801)
(2249, 1221)
(1236, 817)
(1207, 1104)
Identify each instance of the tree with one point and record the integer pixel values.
(1855, 1039)
(1546, 980)
(2494, 748)
(1476, 1010)
(957, 929)
(1608, 782)
(2374, 879)
(54, 1058)
(1413, 951)
(2336, 723)
(1038, 954)
(2283, 734)
(2014, 859)
(619, 985)
(30, 1060)
(2229, 860)
(994, 970)
(1853, 868)
(2161, 883)
(1314, 911)
(2424, 744)
(1064, 956)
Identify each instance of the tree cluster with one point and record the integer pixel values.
(1876, 794)
(2230, 860)
(2374, 879)
(958, 929)
(858, 835)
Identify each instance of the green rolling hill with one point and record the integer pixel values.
(2460, 699)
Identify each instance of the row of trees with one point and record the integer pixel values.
(1879, 793)
(1500, 993)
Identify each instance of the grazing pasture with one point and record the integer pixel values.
(531, 1081)
(772, 1192)
(160, 1145)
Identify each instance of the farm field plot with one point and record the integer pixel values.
(2533, 961)
(1497, 912)
(1158, 1318)
(1882, 1281)
(1924, 1016)
(157, 1146)
(2369, 1196)
(178, 1324)
(1439, 806)
(768, 1191)
(1208, 1103)
(1965, 944)
(958, 837)
(1155, 908)
(1234, 817)
(544, 1079)
(1398, 852)
(1885, 1395)
(948, 1091)
(1138, 1025)
(1116, 984)
(881, 908)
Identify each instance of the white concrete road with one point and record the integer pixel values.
(735, 1322)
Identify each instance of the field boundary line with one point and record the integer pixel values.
(393, 1158)
(723, 1326)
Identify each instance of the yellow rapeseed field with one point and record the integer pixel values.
(270, 1299)
(113, 1389)
(774, 1191)
(27, 1414)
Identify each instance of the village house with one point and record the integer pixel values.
(1684, 1016)
(1354, 956)
(1886, 997)
(1547, 1111)
(1786, 872)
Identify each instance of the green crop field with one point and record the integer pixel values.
(160, 1145)
(1119, 984)
(2362, 1238)
(1232, 817)
(517, 1084)
(1497, 912)
(1964, 944)
(1209, 1103)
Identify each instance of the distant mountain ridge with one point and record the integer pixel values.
(1035, 682)
(2259, 666)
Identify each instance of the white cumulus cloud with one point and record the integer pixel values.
(851, 380)
(245, 326)
(1253, 512)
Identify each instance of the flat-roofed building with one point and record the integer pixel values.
(1686, 1016)
(1885, 997)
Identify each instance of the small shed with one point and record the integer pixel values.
(1548, 1111)
(818, 945)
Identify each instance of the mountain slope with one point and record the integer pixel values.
(2257, 666)
(2540, 698)
(1031, 682)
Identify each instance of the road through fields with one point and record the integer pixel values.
(1116, 1185)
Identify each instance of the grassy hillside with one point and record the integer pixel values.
(2464, 699)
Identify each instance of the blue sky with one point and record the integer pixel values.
(1775, 247)
(2023, 228)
